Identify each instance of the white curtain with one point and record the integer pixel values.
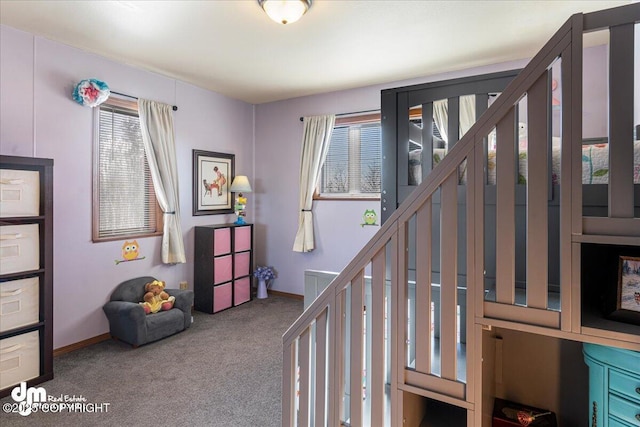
(441, 117)
(467, 113)
(467, 105)
(156, 123)
(315, 144)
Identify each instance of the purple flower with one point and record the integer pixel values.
(264, 273)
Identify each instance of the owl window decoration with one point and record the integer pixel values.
(370, 217)
(130, 252)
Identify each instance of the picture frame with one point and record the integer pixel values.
(212, 177)
(628, 297)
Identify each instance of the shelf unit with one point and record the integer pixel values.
(26, 271)
(222, 267)
(599, 286)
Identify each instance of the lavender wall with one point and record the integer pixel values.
(40, 119)
(594, 87)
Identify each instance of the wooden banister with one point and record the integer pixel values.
(316, 341)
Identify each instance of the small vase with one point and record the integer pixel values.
(262, 289)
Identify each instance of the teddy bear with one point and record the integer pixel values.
(155, 298)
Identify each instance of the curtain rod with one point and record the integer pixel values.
(349, 114)
(175, 108)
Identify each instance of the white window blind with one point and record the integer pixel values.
(353, 165)
(126, 200)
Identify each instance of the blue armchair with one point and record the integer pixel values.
(128, 321)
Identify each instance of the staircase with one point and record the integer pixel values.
(388, 340)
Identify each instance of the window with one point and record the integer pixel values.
(353, 166)
(124, 201)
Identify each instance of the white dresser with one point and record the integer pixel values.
(26, 271)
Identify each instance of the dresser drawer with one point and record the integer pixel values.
(241, 291)
(19, 248)
(222, 269)
(19, 193)
(624, 409)
(614, 422)
(625, 384)
(19, 303)
(19, 359)
(242, 239)
(242, 261)
(222, 297)
(221, 241)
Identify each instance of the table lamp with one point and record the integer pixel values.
(240, 185)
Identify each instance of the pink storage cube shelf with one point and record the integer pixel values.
(222, 267)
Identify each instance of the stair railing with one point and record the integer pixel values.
(330, 335)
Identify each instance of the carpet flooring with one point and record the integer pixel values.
(225, 370)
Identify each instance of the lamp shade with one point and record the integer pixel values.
(285, 11)
(240, 184)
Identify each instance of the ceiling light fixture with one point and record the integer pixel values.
(285, 11)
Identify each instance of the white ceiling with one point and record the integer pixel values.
(233, 48)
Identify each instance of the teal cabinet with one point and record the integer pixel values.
(614, 386)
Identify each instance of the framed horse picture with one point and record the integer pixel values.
(212, 176)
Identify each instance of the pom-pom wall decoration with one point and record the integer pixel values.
(91, 92)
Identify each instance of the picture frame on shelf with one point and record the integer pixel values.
(628, 298)
(212, 176)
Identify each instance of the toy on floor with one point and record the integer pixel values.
(155, 298)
